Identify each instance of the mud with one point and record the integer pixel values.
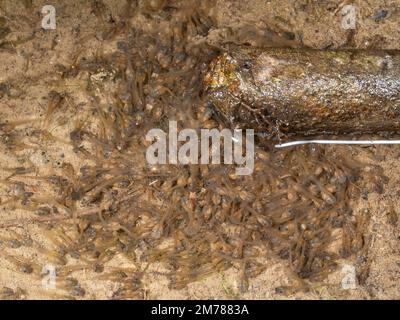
(77, 193)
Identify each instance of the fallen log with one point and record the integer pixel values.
(307, 92)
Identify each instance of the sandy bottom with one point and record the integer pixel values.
(31, 66)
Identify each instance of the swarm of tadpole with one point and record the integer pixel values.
(197, 219)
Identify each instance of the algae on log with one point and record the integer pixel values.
(307, 92)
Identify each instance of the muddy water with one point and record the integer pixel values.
(84, 198)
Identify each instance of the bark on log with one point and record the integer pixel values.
(307, 92)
